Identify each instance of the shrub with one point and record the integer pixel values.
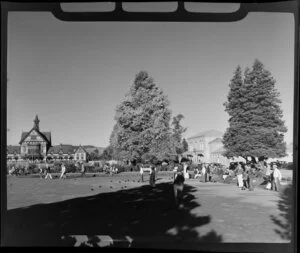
(71, 168)
(89, 168)
(32, 168)
(98, 169)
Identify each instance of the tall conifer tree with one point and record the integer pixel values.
(256, 127)
(143, 121)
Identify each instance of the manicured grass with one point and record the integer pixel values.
(41, 211)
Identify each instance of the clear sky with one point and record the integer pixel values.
(73, 75)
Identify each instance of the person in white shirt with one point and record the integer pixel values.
(276, 178)
(203, 172)
(63, 171)
(141, 172)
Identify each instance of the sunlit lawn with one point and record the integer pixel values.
(211, 212)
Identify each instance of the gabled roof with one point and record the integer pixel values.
(63, 148)
(209, 133)
(12, 149)
(45, 135)
(81, 148)
(94, 149)
(216, 140)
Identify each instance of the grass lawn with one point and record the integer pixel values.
(47, 212)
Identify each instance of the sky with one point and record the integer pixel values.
(73, 75)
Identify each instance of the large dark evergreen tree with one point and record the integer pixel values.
(256, 127)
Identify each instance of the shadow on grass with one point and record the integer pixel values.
(140, 217)
(283, 221)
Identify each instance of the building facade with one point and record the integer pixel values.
(67, 152)
(207, 147)
(35, 144)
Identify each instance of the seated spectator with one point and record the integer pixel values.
(197, 173)
(12, 170)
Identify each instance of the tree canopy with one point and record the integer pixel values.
(255, 127)
(142, 127)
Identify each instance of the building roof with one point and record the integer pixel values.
(90, 150)
(216, 140)
(12, 149)
(209, 133)
(65, 148)
(45, 135)
(82, 147)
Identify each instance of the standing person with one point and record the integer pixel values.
(178, 187)
(276, 178)
(245, 179)
(208, 176)
(152, 176)
(48, 171)
(63, 171)
(175, 170)
(77, 167)
(239, 175)
(82, 169)
(203, 172)
(40, 171)
(141, 172)
(251, 171)
(268, 177)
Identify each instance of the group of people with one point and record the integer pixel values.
(204, 172)
(274, 177)
(152, 173)
(245, 174)
(46, 172)
(110, 169)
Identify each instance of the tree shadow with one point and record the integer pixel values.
(140, 217)
(284, 220)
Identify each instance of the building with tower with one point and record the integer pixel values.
(35, 144)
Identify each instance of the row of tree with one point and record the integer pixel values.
(143, 127)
